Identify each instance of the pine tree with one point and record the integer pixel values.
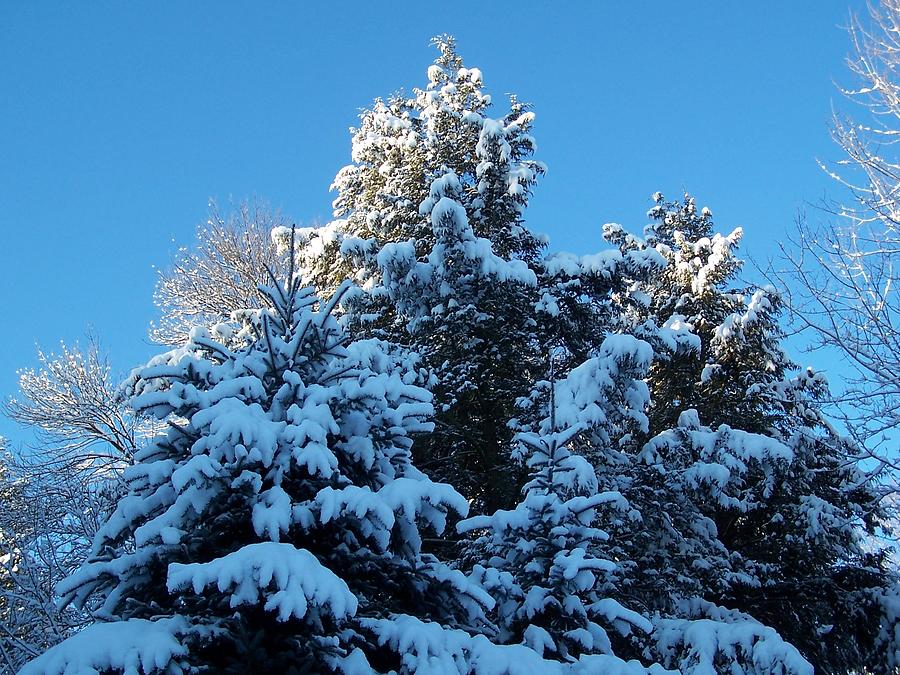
(275, 527)
(431, 231)
(544, 561)
(469, 289)
(743, 479)
(466, 312)
(406, 143)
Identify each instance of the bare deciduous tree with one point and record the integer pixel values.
(56, 491)
(44, 537)
(204, 284)
(70, 403)
(841, 278)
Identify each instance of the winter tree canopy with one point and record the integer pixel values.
(418, 440)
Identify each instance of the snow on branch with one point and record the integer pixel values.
(290, 579)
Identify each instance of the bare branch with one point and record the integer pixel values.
(841, 279)
(70, 402)
(204, 285)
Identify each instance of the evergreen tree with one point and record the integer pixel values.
(404, 144)
(752, 501)
(544, 561)
(466, 309)
(431, 231)
(467, 288)
(275, 527)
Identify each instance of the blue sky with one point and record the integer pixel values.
(120, 121)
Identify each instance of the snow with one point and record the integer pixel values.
(290, 580)
(571, 563)
(435, 74)
(698, 646)
(430, 649)
(757, 310)
(722, 459)
(677, 335)
(889, 635)
(822, 518)
(705, 260)
(604, 264)
(413, 498)
(271, 515)
(132, 647)
(582, 397)
(449, 215)
(624, 618)
(403, 502)
(232, 428)
(591, 664)
(195, 471)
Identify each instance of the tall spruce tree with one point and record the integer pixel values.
(469, 289)
(466, 315)
(276, 526)
(547, 561)
(754, 502)
(430, 229)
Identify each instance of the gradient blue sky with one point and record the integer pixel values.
(119, 121)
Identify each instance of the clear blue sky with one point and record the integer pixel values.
(120, 120)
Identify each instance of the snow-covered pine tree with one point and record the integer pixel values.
(482, 307)
(547, 561)
(454, 285)
(586, 297)
(275, 527)
(402, 145)
(750, 497)
(739, 339)
(466, 313)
